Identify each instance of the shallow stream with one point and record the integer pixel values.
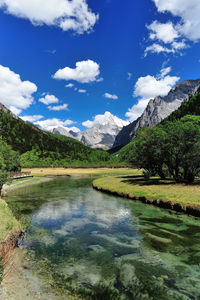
(83, 244)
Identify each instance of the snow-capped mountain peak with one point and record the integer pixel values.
(100, 132)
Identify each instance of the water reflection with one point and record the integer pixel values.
(102, 247)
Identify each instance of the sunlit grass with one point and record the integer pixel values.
(80, 171)
(186, 195)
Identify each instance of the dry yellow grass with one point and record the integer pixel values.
(184, 195)
(81, 171)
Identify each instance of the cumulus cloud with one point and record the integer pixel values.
(164, 32)
(149, 87)
(104, 119)
(110, 96)
(188, 11)
(67, 14)
(15, 94)
(85, 72)
(58, 107)
(50, 124)
(32, 119)
(81, 91)
(49, 99)
(176, 34)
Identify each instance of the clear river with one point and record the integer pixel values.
(83, 244)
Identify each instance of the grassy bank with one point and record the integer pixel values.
(8, 223)
(80, 171)
(167, 194)
(10, 227)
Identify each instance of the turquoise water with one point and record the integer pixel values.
(97, 246)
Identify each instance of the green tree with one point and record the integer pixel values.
(147, 150)
(175, 145)
(9, 159)
(182, 148)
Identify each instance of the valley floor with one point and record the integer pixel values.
(166, 194)
(81, 171)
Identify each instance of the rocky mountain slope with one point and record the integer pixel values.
(158, 109)
(65, 132)
(100, 136)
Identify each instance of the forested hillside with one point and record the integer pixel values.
(40, 148)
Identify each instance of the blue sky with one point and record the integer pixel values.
(127, 51)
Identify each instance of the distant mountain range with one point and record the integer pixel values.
(114, 133)
(157, 110)
(41, 148)
(100, 136)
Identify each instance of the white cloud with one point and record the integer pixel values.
(164, 72)
(164, 32)
(50, 124)
(67, 14)
(179, 45)
(32, 119)
(149, 87)
(85, 72)
(58, 107)
(69, 85)
(15, 110)
(104, 119)
(81, 91)
(49, 99)
(157, 48)
(99, 79)
(74, 129)
(110, 96)
(15, 94)
(186, 28)
(188, 11)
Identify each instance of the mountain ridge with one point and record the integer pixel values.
(100, 136)
(158, 109)
(189, 108)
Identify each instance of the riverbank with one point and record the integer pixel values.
(10, 227)
(165, 194)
